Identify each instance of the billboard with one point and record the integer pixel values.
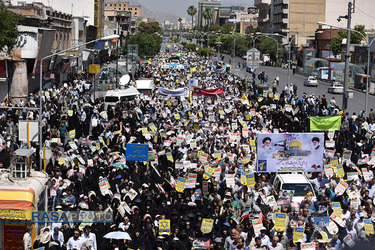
(290, 152)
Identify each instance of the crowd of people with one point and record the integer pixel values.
(175, 201)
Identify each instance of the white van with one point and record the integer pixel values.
(296, 182)
(145, 86)
(113, 96)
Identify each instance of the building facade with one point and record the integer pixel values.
(264, 14)
(202, 5)
(126, 16)
(92, 10)
(293, 17)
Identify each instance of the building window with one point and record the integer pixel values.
(124, 8)
(135, 13)
(135, 8)
(110, 5)
(105, 4)
(114, 5)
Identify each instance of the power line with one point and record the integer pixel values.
(364, 13)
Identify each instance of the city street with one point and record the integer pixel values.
(354, 105)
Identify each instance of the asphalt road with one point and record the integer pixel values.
(356, 104)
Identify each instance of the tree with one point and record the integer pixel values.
(207, 15)
(227, 28)
(192, 11)
(355, 38)
(8, 29)
(150, 28)
(269, 46)
(148, 45)
(180, 20)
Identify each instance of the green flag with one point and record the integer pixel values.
(325, 123)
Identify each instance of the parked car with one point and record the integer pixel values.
(293, 182)
(336, 88)
(311, 81)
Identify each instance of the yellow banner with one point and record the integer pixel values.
(280, 220)
(207, 174)
(11, 214)
(164, 226)
(206, 226)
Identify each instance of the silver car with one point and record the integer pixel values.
(336, 88)
(311, 81)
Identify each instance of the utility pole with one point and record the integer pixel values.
(347, 57)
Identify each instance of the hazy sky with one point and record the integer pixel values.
(179, 7)
(176, 7)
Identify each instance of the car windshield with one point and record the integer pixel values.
(312, 78)
(111, 99)
(299, 188)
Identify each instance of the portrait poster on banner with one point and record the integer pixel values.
(290, 152)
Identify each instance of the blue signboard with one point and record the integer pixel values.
(137, 152)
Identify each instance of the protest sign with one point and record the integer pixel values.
(207, 174)
(104, 186)
(328, 170)
(349, 241)
(280, 221)
(257, 225)
(250, 180)
(180, 185)
(334, 161)
(164, 226)
(369, 228)
(308, 246)
(298, 234)
(336, 206)
(229, 178)
(332, 227)
(206, 226)
(323, 234)
(290, 152)
(325, 123)
(340, 171)
(365, 174)
(191, 180)
(338, 220)
(341, 187)
(271, 201)
(137, 152)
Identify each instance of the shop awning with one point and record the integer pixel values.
(16, 199)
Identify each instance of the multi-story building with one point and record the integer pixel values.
(126, 16)
(264, 14)
(202, 5)
(293, 17)
(92, 10)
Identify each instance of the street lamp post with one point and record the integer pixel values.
(106, 38)
(368, 60)
(289, 48)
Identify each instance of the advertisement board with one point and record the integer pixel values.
(290, 152)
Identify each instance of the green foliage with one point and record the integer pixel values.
(227, 28)
(183, 43)
(8, 29)
(192, 11)
(336, 45)
(148, 45)
(191, 46)
(207, 15)
(203, 52)
(355, 38)
(214, 28)
(269, 46)
(150, 28)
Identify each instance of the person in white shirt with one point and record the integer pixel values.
(88, 236)
(27, 241)
(75, 242)
(58, 236)
(275, 244)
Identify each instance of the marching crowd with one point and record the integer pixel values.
(182, 197)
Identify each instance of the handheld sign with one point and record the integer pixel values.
(164, 226)
(207, 225)
(298, 234)
(369, 228)
(336, 206)
(280, 221)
